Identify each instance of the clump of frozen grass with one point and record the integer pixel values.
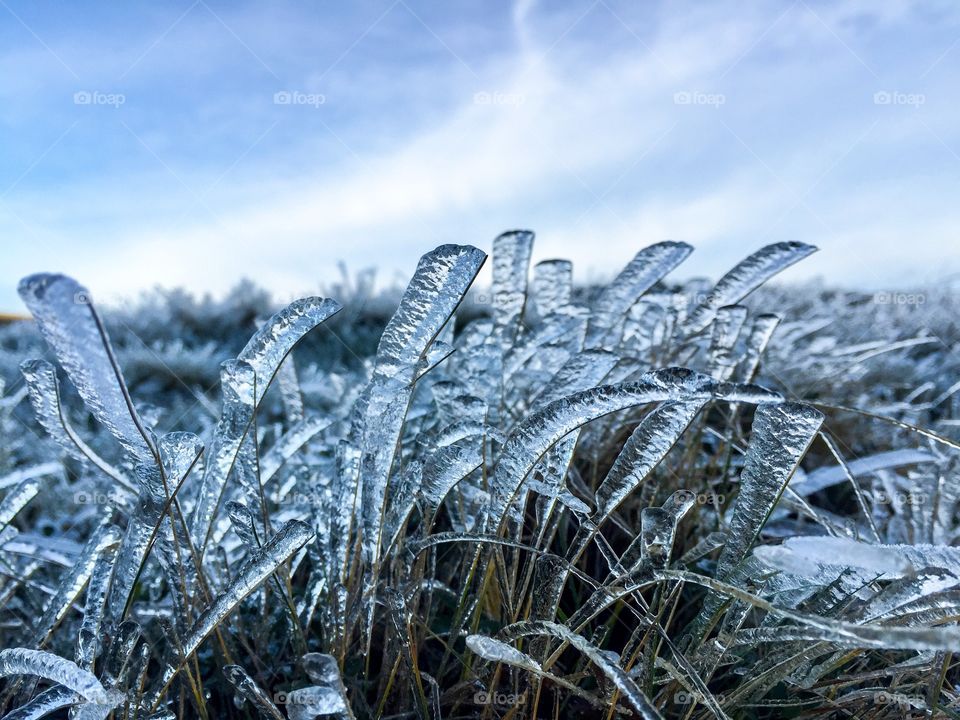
(642, 500)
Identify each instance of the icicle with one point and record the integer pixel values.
(73, 328)
(647, 267)
(658, 528)
(744, 278)
(290, 391)
(88, 639)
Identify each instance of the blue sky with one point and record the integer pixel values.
(192, 143)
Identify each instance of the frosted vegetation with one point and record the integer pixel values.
(532, 500)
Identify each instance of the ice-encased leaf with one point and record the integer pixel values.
(271, 343)
(825, 477)
(22, 661)
(104, 538)
(647, 446)
(71, 325)
(658, 527)
(726, 329)
(552, 286)
(15, 500)
(285, 448)
(538, 432)
(759, 336)
(497, 651)
(781, 434)
(252, 692)
(744, 278)
(437, 287)
(627, 687)
(641, 273)
(45, 703)
(800, 555)
(261, 565)
(44, 391)
(30, 472)
(511, 263)
(237, 381)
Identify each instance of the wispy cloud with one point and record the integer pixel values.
(603, 125)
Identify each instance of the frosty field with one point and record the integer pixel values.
(535, 500)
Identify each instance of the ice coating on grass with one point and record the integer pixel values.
(761, 330)
(641, 273)
(263, 563)
(744, 278)
(15, 500)
(287, 446)
(799, 555)
(71, 326)
(511, 263)
(271, 343)
(437, 287)
(22, 661)
(497, 651)
(825, 477)
(252, 692)
(537, 433)
(552, 286)
(658, 527)
(781, 434)
(627, 687)
(646, 447)
(324, 671)
(98, 587)
(45, 703)
(237, 381)
(726, 330)
(44, 391)
(105, 538)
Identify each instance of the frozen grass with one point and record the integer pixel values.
(528, 501)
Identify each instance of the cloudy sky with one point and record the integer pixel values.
(195, 142)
